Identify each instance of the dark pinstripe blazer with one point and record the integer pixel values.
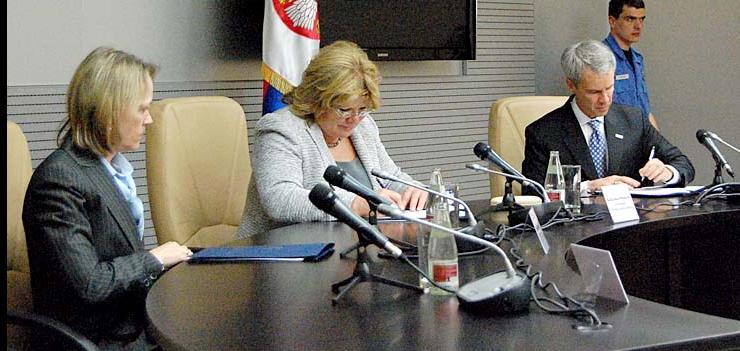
(629, 138)
(89, 268)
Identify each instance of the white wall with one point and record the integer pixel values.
(692, 54)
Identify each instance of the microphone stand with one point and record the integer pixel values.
(717, 173)
(373, 220)
(361, 272)
(508, 203)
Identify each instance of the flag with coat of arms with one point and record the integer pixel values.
(290, 38)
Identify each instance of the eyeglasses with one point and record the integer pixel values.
(347, 113)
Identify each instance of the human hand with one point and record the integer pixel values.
(171, 253)
(360, 206)
(413, 199)
(656, 171)
(596, 184)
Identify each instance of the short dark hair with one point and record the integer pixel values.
(616, 6)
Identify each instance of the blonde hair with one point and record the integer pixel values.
(339, 73)
(104, 86)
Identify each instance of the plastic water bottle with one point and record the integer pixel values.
(554, 180)
(442, 257)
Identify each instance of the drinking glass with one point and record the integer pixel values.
(572, 175)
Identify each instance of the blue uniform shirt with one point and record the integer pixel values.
(629, 84)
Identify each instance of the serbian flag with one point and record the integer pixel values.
(290, 38)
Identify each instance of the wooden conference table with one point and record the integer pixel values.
(686, 257)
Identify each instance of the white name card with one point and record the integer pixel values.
(619, 202)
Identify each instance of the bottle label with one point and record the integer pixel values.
(556, 195)
(444, 272)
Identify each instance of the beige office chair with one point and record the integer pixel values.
(19, 278)
(198, 169)
(507, 121)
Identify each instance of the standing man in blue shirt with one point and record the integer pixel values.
(627, 20)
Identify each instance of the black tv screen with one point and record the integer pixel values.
(401, 30)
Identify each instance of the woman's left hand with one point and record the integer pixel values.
(413, 199)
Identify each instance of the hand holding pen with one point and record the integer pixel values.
(652, 154)
(655, 170)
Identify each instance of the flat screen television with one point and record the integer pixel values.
(402, 30)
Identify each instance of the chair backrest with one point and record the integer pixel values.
(18, 174)
(506, 123)
(198, 169)
(19, 171)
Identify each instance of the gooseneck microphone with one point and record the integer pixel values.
(485, 153)
(502, 292)
(326, 200)
(339, 178)
(716, 137)
(388, 176)
(525, 181)
(705, 138)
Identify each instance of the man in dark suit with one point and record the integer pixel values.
(83, 220)
(611, 142)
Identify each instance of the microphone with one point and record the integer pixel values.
(337, 177)
(716, 137)
(326, 200)
(501, 292)
(525, 181)
(705, 138)
(485, 153)
(388, 176)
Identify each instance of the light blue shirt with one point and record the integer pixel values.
(121, 171)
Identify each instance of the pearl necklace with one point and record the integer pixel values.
(334, 144)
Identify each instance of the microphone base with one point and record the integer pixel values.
(496, 294)
(506, 207)
(544, 213)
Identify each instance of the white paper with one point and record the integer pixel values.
(665, 191)
(611, 284)
(619, 202)
(538, 229)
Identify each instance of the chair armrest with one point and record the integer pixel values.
(39, 322)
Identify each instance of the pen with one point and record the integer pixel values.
(652, 153)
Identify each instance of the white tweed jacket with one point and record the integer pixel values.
(289, 157)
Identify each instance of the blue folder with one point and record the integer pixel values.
(295, 252)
